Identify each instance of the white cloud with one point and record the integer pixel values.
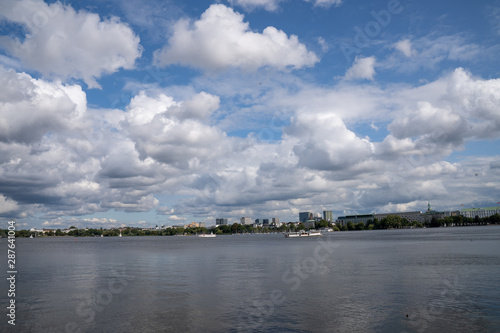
(270, 5)
(404, 46)
(177, 218)
(32, 108)
(325, 143)
(323, 44)
(479, 100)
(325, 3)
(221, 39)
(143, 204)
(429, 51)
(62, 43)
(200, 107)
(460, 108)
(273, 5)
(95, 222)
(7, 205)
(161, 145)
(142, 108)
(441, 124)
(175, 133)
(362, 68)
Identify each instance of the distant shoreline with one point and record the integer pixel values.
(107, 233)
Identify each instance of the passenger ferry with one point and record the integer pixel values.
(207, 235)
(302, 233)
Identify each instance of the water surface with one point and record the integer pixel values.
(367, 281)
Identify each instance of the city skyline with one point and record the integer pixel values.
(419, 216)
(162, 113)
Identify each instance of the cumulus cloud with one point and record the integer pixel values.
(62, 43)
(199, 107)
(462, 108)
(321, 160)
(32, 108)
(325, 143)
(7, 205)
(175, 133)
(160, 144)
(221, 39)
(479, 100)
(441, 124)
(362, 68)
(320, 152)
(52, 160)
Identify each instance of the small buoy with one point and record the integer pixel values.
(406, 315)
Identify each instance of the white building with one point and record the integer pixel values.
(480, 212)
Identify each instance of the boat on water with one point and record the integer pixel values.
(310, 233)
(211, 235)
(31, 236)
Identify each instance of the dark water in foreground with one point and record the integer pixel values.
(446, 280)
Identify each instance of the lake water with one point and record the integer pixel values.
(445, 280)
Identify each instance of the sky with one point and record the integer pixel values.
(147, 113)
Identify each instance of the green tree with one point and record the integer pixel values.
(435, 223)
(448, 221)
(360, 226)
(322, 224)
(494, 219)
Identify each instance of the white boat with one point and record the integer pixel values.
(311, 233)
(211, 235)
(102, 235)
(31, 236)
(120, 234)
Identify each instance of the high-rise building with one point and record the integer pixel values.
(246, 220)
(305, 216)
(265, 222)
(276, 222)
(328, 215)
(221, 221)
